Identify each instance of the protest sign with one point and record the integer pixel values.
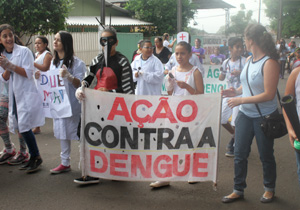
(148, 138)
(56, 102)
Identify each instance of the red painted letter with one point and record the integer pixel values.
(114, 164)
(137, 163)
(168, 112)
(168, 167)
(186, 165)
(197, 164)
(193, 114)
(95, 162)
(140, 120)
(123, 112)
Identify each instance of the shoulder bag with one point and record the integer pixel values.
(273, 125)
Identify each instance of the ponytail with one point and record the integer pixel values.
(263, 39)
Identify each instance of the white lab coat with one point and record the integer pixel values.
(28, 101)
(194, 60)
(66, 128)
(151, 78)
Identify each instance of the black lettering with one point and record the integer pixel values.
(207, 138)
(105, 136)
(147, 133)
(125, 137)
(184, 138)
(166, 141)
(87, 136)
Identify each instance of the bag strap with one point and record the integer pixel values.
(257, 107)
(251, 89)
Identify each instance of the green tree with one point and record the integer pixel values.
(35, 16)
(290, 16)
(240, 21)
(162, 14)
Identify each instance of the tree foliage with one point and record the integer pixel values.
(290, 16)
(162, 14)
(35, 16)
(240, 21)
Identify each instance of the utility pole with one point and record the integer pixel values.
(227, 21)
(259, 7)
(102, 19)
(179, 16)
(279, 27)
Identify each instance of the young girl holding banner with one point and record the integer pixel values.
(25, 104)
(184, 79)
(71, 69)
(42, 62)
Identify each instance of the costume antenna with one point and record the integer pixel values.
(110, 20)
(100, 22)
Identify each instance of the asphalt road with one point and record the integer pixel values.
(45, 191)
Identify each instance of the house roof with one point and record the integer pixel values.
(210, 4)
(115, 21)
(110, 4)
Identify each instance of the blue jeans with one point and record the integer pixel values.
(245, 130)
(298, 165)
(29, 138)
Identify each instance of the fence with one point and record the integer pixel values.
(86, 44)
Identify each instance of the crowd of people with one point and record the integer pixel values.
(252, 82)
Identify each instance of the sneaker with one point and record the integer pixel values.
(158, 184)
(34, 164)
(229, 153)
(19, 158)
(87, 180)
(60, 169)
(25, 165)
(5, 156)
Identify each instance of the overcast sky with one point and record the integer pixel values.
(211, 20)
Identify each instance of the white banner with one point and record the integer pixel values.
(148, 138)
(212, 84)
(56, 102)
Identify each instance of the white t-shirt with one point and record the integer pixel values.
(166, 44)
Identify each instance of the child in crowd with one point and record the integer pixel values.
(231, 70)
(8, 154)
(42, 61)
(217, 58)
(71, 69)
(187, 80)
(148, 71)
(25, 107)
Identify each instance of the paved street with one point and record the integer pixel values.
(45, 191)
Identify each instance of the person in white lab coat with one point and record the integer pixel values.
(72, 70)
(147, 71)
(25, 104)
